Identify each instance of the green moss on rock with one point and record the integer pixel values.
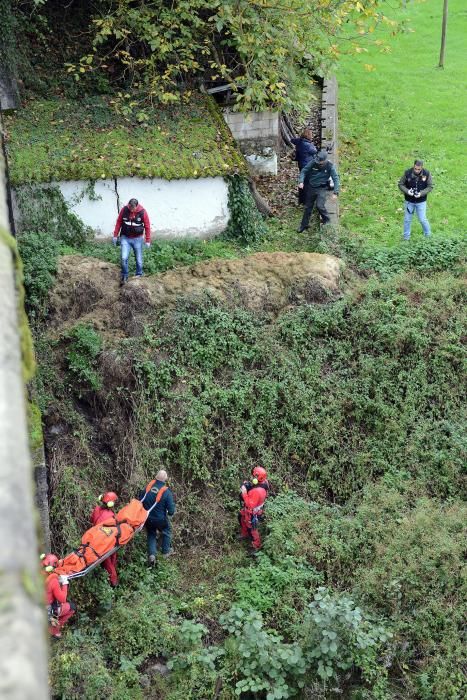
(35, 426)
(27, 347)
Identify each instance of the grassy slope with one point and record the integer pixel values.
(405, 108)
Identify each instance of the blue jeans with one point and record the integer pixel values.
(420, 209)
(126, 245)
(152, 529)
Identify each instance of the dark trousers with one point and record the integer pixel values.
(165, 529)
(315, 195)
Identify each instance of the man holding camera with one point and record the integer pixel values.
(416, 183)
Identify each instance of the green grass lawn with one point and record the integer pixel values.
(405, 108)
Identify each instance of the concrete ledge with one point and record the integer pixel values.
(23, 661)
(329, 135)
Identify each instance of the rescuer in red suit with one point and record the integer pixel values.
(59, 610)
(103, 511)
(253, 494)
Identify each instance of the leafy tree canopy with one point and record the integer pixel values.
(265, 50)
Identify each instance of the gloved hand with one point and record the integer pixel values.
(416, 194)
(114, 240)
(243, 489)
(410, 192)
(63, 580)
(148, 245)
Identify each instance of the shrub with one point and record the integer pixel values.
(259, 659)
(44, 210)
(246, 223)
(84, 347)
(39, 252)
(336, 635)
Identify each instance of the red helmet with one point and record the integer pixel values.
(49, 562)
(109, 499)
(260, 474)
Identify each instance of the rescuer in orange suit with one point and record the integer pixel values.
(103, 511)
(59, 610)
(253, 494)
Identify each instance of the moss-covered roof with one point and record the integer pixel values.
(64, 140)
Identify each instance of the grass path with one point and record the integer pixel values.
(407, 107)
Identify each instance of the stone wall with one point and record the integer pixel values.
(257, 134)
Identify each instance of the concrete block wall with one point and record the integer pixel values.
(329, 135)
(257, 134)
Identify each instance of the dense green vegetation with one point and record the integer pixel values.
(158, 53)
(356, 406)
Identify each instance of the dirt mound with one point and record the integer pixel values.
(87, 289)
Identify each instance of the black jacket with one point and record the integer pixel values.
(421, 183)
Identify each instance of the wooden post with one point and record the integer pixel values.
(443, 33)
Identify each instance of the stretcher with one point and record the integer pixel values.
(101, 541)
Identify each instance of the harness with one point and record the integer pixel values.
(150, 489)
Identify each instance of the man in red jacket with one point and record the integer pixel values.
(103, 511)
(253, 495)
(132, 222)
(56, 590)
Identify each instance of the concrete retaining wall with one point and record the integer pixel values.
(329, 136)
(23, 658)
(257, 134)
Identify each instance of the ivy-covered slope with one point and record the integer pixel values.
(356, 407)
(61, 139)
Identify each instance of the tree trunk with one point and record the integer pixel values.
(443, 33)
(286, 134)
(260, 202)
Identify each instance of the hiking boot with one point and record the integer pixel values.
(242, 537)
(301, 229)
(168, 554)
(152, 560)
(123, 281)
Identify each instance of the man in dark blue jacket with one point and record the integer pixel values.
(305, 150)
(158, 520)
(316, 176)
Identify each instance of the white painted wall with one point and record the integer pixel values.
(101, 213)
(180, 208)
(176, 208)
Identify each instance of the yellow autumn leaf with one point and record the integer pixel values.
(369, 67)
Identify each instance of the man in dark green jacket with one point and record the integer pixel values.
(315, 179)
